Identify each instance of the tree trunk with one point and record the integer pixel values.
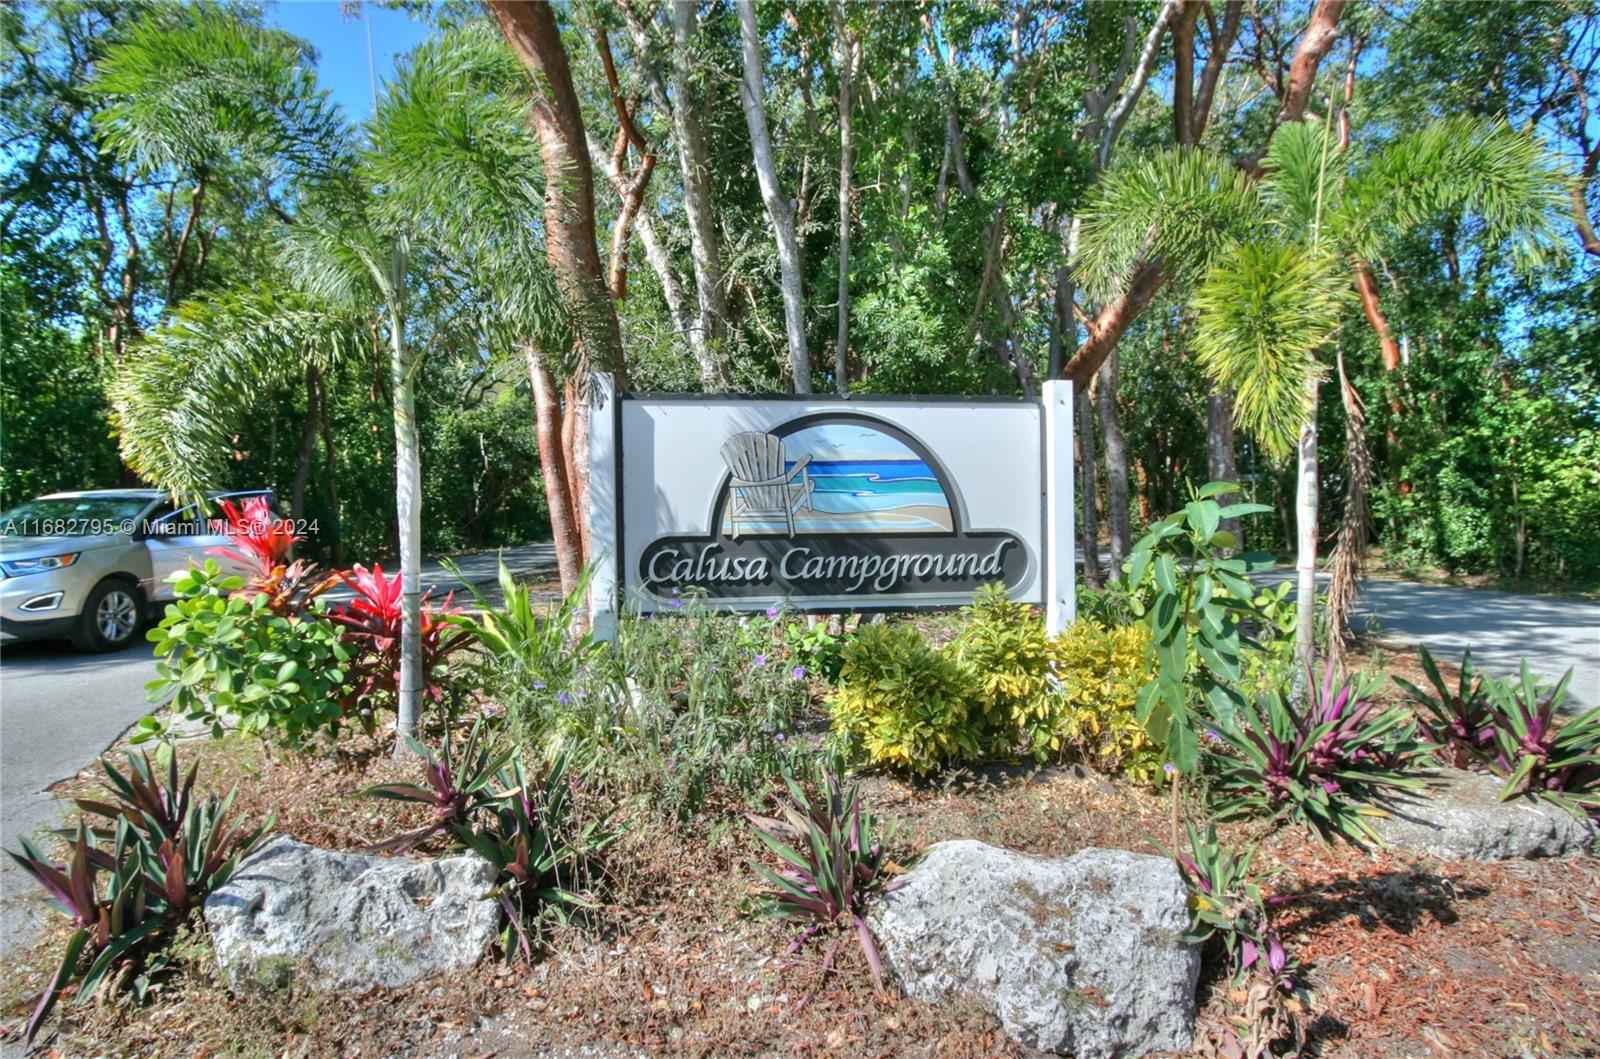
(532, 32)
(552, 463)
(408, 510)
(846, 54)
(688, 133)
(1088, 487)
(752, 95)
(330, 468)
(308, 446)
(1183, 71)
(1117, 515)
(1315, 42)
(1220, 462)
(713, 373)
(1305, 503)
(1107, 328)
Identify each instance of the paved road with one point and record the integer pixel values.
(59, 710)
(1502, 628)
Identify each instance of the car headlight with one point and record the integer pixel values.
(18, 567)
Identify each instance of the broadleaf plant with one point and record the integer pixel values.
(1197, 597)
(1536, 753)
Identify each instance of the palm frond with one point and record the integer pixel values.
(1461, 166)
(189, 85)
(182, 393)
(1303, 166)
(1263, 310)
(461, 172)
(1186, 207)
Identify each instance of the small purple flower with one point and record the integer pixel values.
(674, 603)
(1212, 736)
(564, 699)
(772, 612)
(759, 661)
(799, 672)
(779, 737)
(539, 685)
(1168, 768)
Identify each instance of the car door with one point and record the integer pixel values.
(187, 537)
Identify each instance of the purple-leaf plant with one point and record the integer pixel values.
(834, 864)
(1323, 765)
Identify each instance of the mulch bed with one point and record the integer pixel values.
(1406, 955)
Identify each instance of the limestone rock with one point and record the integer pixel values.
(1461, 816)
(1082, 955)
(295, 914)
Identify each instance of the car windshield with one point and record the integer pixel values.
(72, 516)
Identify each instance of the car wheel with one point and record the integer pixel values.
(111, 617)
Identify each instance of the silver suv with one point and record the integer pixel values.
(90, 566)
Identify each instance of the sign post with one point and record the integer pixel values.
(828, 503)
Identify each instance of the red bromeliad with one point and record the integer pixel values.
(372, 621)
(264, 538)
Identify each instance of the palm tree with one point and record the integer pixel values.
(1269, 267)
(345, 258)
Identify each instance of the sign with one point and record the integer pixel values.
(826, 503)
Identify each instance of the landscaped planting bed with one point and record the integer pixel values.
(689, 833)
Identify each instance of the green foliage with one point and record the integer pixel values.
(55, 421)
(1225, 898)
(1199, 598)
(1325, 765)
(1183, 208)
(160, 850)
(709, 711)
(1097, 674)
(226, 657)
(834, 858)
(1264, 310)
(534, 661)
(1005, 650)
(904, 704)
(543, 847)
(1557, 761)
(813, 647)
(528, 826)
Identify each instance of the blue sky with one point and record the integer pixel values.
(341, 45)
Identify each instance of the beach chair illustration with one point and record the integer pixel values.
(760, 490)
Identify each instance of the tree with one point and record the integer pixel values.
(779, 211)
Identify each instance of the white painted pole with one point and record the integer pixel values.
(604, 533)
(1060, 556)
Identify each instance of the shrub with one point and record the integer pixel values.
(457, 786)
(1324, 768)
(127, 885)
(1197, 598)
(1225, 899)
(537, 664)
(1458, 723)
(903, 703)
(226, 656)
(262, 543)
(709, 708)
(812, 647)
(1096, 674)
(1004, 646)
(835, 863)
(1508, 726)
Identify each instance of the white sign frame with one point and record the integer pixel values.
(626, 516)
